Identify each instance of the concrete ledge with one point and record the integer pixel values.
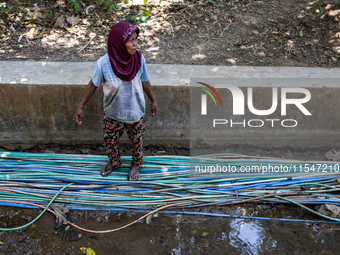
(79, 73)
(38, 100)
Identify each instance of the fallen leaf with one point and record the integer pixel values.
(87, 251)
(38, 36)
(205, 234)
(47, 13)
(32, 33)
(316, 228)
(36, 14)
(73, 20)
(148, 219)
(244, 212)
(33, 16)
(60, 21)
(61, 2)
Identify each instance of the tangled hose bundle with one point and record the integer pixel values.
(35, 178)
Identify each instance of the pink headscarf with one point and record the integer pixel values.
(124, 65)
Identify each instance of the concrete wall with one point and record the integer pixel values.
(44, 113)
(38, 101)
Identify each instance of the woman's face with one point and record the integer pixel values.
(131, 44)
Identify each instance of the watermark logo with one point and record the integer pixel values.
(204, 97)
(240, 101)
(259, 114)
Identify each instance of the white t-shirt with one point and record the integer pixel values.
(123, 100)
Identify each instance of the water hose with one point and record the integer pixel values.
(30, 179)
(46, 208)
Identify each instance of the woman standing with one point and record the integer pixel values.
(122, 71)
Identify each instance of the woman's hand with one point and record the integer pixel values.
(79, 115)
(89, 91)
(147, 89)
(154, 109)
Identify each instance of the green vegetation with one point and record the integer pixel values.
(109, 6)
(76, 4)
(216, 4)
(3, 8)
(320, 8)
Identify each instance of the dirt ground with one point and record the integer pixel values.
(233, 32)
(171, 233)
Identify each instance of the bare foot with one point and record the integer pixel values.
(134, 172)
(106, 170)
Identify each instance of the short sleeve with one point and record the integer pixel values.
(97, 77)
(145, 76)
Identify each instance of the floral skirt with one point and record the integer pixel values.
(113, 130)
